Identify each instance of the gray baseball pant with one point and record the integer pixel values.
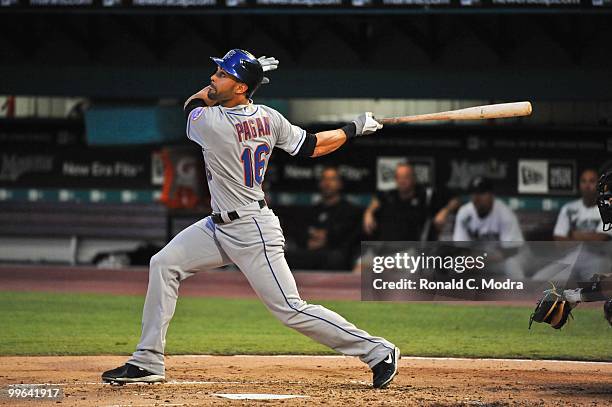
(255, 244)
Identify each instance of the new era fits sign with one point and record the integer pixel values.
(546, 177)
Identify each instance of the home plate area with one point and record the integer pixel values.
(315, 380)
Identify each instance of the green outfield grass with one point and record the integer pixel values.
(91, 324)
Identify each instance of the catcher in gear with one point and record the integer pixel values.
(554, 308)
(604, 202)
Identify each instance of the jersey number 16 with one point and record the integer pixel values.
(254, 164)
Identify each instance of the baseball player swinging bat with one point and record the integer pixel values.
(498, 111)
(237, 137)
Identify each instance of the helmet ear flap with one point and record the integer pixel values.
(246, 64)
(254, 73)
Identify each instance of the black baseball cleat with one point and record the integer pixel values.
(385, 371)
(130, 374)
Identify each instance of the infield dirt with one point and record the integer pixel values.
(194, 380)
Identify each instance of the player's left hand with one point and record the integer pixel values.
(366, 124)
(553, 308)
(268, 64)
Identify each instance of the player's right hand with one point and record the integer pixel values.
(366, 124)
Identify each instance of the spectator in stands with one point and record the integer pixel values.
(579, 219)
(486, 218)
(332, 235)
(407, 212)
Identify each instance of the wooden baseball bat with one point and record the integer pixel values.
(497, 111)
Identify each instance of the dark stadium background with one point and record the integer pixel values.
(133, 66)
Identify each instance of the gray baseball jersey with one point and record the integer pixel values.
(237, 143)
(500, 224)
(576, 216)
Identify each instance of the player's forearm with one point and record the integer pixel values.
(439, 219)
(329, 141)
(442, 215)
(203, 95)
(373, 206)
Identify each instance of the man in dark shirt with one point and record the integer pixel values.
(333, 229)
(408, 213)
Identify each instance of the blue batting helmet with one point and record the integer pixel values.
(243, 66)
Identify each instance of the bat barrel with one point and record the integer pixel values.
(497, 111)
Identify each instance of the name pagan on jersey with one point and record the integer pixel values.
(253, 128)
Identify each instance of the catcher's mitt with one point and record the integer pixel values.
(553, 309)
(608, 311)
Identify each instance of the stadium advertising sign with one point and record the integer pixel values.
(76, 168)
(546, 176)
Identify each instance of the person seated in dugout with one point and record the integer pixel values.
(331, 238)
(410, 212)
(580, 219)
(486, 218)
